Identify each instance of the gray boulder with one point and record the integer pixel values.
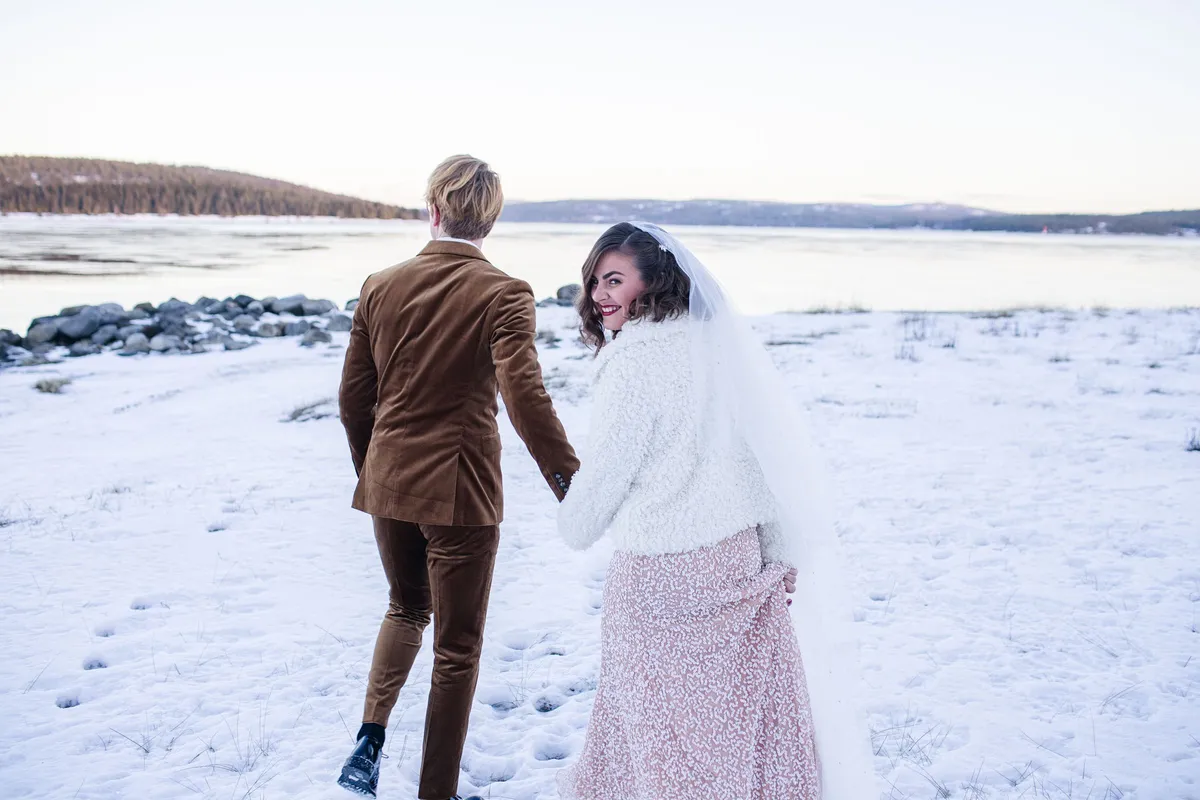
(268, 301)
(42, 349)
(315, 308)
(256, 308)
(339, 323)
(315, 336)
(234, 344)
(40, 333)
(567, 294)
(164, 342)
(136, 343)
(174, 307)
(105, 335)
(352, 304)
(146, 308)
(125, 331)
(204, 302)
(138, 313)
(79, 326)
(9, 338)
(214, 308)
(244, 300)
(71, 311)
(268, 330)
(288, 305)
(245, 322)
(111, 314)
(83, 349)
(297, 328)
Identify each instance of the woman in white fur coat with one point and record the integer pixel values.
(702, 693)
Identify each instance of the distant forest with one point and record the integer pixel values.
(90, 186)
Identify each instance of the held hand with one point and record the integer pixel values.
(789, 583)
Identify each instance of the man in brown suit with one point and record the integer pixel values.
(433, 340)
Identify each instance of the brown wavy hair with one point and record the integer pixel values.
(667, 287)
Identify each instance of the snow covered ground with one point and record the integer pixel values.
(188, 604)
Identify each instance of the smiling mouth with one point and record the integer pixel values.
(608, 311)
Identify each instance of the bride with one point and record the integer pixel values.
(700, 470)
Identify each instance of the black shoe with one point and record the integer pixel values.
(360, 773)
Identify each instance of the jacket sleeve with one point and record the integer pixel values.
(774, 546)
(622, 426)
(360, 387)
(514, 352)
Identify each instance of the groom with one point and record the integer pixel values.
(433, 340)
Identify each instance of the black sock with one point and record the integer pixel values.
(374, 730)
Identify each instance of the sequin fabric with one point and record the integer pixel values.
(702, 691)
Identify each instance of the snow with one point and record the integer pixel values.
(189, 604)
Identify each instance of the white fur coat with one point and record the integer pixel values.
(646, 476)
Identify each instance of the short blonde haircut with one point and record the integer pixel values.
(466, 192)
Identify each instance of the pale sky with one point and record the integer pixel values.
(1022, 105)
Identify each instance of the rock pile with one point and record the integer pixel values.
(175, 326)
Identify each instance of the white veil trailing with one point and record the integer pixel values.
(739, 392)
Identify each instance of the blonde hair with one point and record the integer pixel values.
(466, 192)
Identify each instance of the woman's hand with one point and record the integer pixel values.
(789, 583)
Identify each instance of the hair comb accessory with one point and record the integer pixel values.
(663, 247)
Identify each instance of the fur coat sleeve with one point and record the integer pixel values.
(623, 418)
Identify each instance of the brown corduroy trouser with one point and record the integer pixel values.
(446, 571)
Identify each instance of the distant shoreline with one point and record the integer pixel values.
(267, 218)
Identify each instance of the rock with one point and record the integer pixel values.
(40, 333)
(352, 304)
(83, 349)
(567, 294)
(268, 301)
(245, 322)
(146, 308)
(315, 336)
(288, 305)
(79, 326)
(233, 344)
(256, 308)
(315, 308)
(125, 331)
(151, 330)
(214, 337)
(41, 349)
(214, 308)
(244, 300)
(548, 338)
(165, 342)
(111, 314)
(205, 301)
(174, 307)
(339, 323)
(136, 343)
(71, 311)
(549, 302)
(297, 328)
(269, 330)
(9, 338)
(138, 313)
(105, 335)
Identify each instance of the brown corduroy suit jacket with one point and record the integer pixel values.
(433, 340)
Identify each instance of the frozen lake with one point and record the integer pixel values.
(50, 262)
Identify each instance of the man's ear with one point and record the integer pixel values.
(435, 216)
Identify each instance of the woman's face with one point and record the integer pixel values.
(616, 284)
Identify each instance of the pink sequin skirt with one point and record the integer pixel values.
(702, 692)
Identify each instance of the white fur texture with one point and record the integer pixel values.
(647, 477)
